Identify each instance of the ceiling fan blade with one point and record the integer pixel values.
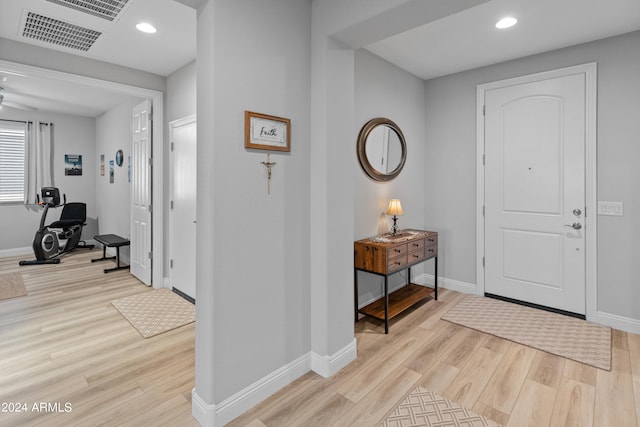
(17, 106)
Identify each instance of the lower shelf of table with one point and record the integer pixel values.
(399, 301)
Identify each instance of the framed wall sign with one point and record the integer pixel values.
(263, 132)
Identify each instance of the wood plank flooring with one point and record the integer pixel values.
(65, 343)
(65, 346)
(510, 383)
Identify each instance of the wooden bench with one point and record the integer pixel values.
(111, 241)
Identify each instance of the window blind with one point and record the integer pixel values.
(12, 160)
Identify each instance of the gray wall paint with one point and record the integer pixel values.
(253, 248)
(180, 102)
(71, 135)
(384, 90)
(28, 54)
(180, 99)
(113, 133)
(451, 154)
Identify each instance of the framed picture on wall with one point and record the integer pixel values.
(73, 164)
(264, 132)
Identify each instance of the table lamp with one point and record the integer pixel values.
(395, 209)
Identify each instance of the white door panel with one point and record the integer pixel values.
(183, 210)
(141, 193)
(534, 179)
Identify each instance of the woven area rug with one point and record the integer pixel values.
(554, 333)
(11, 286)
(155, 312)
(423, 408)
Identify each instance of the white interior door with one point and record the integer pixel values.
(182, 218)
(141, 256)
(535, 192)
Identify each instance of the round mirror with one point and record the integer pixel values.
(382, 149)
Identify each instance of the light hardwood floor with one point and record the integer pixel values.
(504, 381)
(64, 342)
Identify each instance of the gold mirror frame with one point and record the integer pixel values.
(361, 146)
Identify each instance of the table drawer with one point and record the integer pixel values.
(415, 245)
(396, 251)
(431, 241)
(430, 251)
(416, 256)
(397, 263)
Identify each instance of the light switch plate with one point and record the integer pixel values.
(611, 208)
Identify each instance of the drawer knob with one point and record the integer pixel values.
(430, 250)
(397, 250)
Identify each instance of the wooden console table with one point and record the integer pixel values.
(386, 255)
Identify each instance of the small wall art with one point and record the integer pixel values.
(111, 171)
(264, 132)
(73, 164)
(101, 164)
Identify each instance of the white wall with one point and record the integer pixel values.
(71, 135)
(384, 90)
(451, 156)
(113, 133)
(253, 248)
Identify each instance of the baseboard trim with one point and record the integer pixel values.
(613, 320)
(443, 282)
(202, 411)
(326, 366)
(211, 415)
(250, 396)
(27, 250)
(618, 322)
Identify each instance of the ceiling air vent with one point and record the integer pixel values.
(62, 33)
(106, 9)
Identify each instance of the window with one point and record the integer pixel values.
(12, 160)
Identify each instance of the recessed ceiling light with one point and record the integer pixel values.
(506, 22)
(145, 27)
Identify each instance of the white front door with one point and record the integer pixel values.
(535, 192)
(141, 192)
(182, 217)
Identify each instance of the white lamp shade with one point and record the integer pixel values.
(395, 208)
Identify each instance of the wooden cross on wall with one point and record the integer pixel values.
(269, 164)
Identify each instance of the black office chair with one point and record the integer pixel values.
(72, 219)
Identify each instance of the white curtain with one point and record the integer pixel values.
(38, 171)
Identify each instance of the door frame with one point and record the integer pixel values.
(193, 118)
(591, 253)
(157, 102)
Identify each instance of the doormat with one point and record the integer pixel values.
(554, 333)
(424, 408)
(11, 286)
(155, 312)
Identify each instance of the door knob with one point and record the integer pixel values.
(575, 225)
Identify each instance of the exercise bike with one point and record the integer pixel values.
(60, 236)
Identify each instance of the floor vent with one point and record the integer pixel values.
(61, 33)
(106, 9)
